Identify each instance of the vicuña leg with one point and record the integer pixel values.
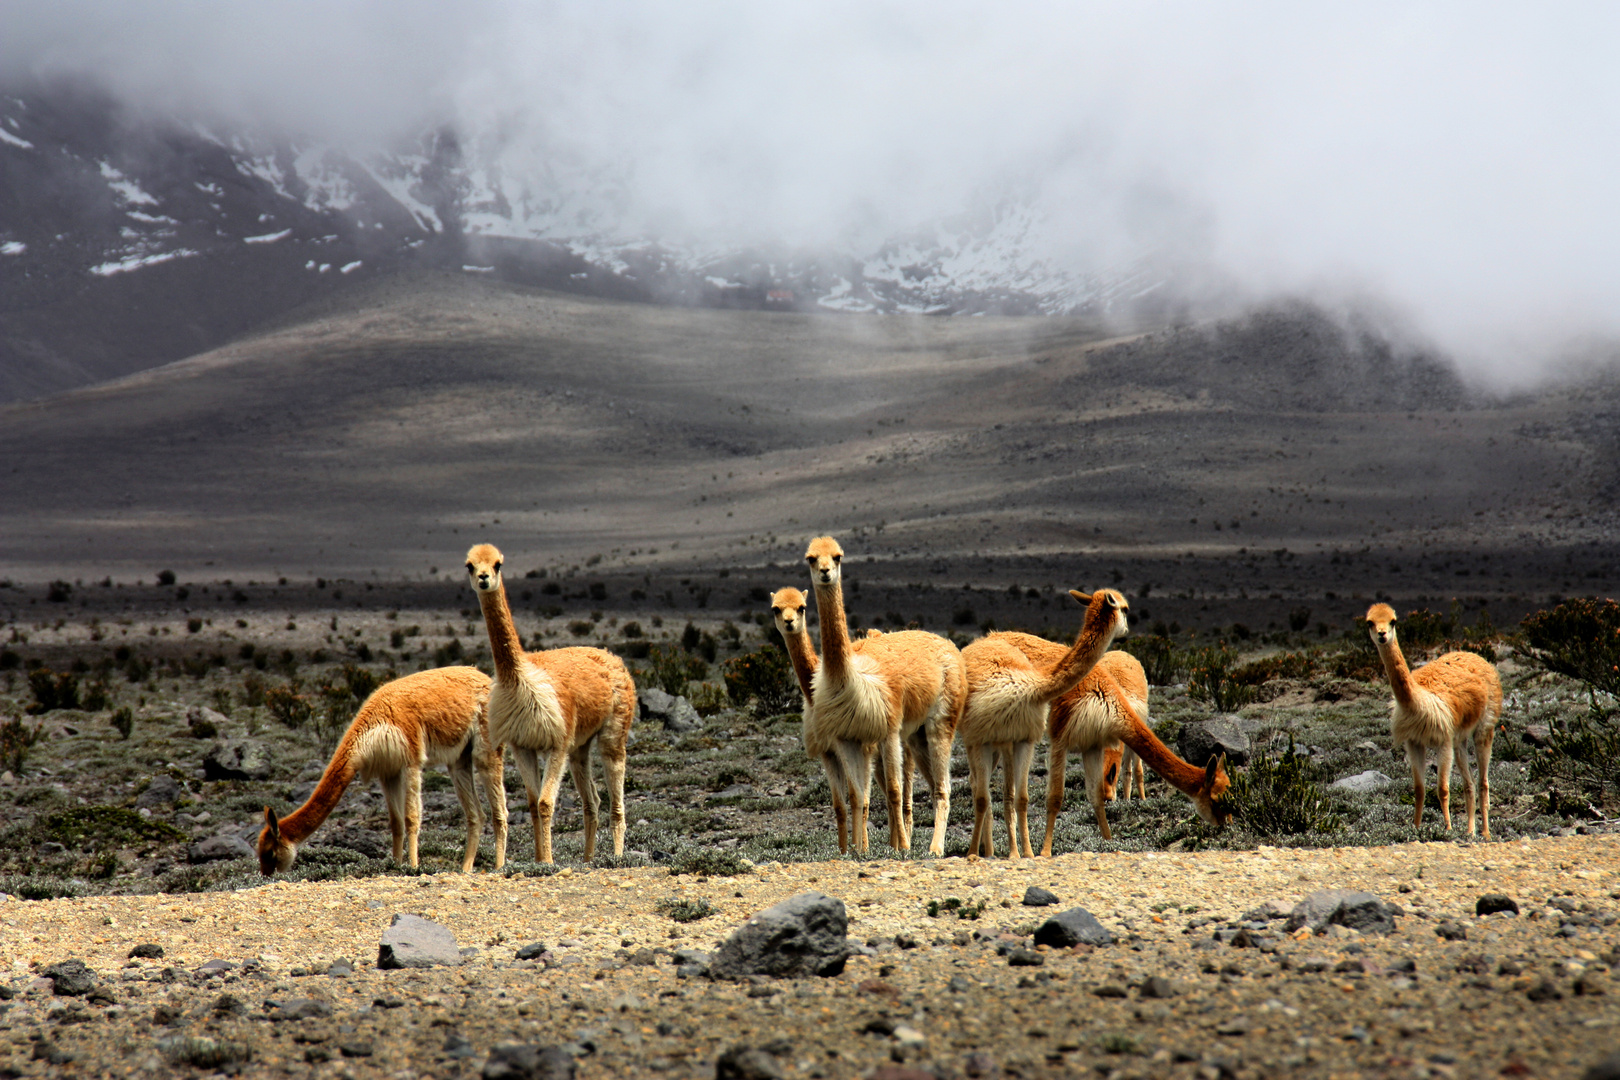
(461, 775)
(933, 757)
(491, 767)
(1416, 759)
(892, 760)
(579, 765)
(394, 796)
(858, 768)
(1092, 765)
(1442, 759)
(981, 763)
(838, 784)
(1018, 758)
(1056, 762)
(1483, 737)
(613, 763)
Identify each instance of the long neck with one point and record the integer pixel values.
(835, 653)
(298, 825)
(1184, 777)
(803, 656)
(1089, 646)
(504, 644)
(1400, 676)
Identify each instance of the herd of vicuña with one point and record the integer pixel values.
(895, 701)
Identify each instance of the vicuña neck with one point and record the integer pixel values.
(1400, 676)
(1184, 777)
(835, 651)
(804, 660)
(298, 825)
(505, 646)
(1088, 648)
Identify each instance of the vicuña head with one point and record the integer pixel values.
(1109, 602)
(825, 558)
(484, 567)
(787, 608)
(1210, 798)
(1381, 624)
(276, 852)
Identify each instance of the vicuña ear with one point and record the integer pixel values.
(1112, 774)
(1213, 769)
(1084, 598)
(271, 824)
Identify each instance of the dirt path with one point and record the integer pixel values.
(1339, 1003)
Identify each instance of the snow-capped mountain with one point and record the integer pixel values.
(128, 241)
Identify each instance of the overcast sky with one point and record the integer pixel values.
(1455, 165)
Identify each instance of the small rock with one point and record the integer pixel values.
(1202, 740)
(414, 942)
(300, 1009)
(356, 1048)
(1021, 957)
(162, 793)
(215, 967)
(1451, 931)
(203, 1052)
(237, 759)
(1491, 903)
(1266, 912)
(979, 1064)
(1236, 1026)
(146, 951)
(1350, 908)
(1544, 990)
(746, 1063)
(905, 941)
(219, 848)
(70, 978)
(1035, 896)
(457, 1047)
(909, 1037)
(1108, 990)
(805, 935)
(340, 969)
(229, 1005)
(958, 985)
(526, 1061)
(1157, 986)
(389, 1002)
(532, 951)
(1371, 780)
(1077, 926)
(674, 712)
(1591, 984)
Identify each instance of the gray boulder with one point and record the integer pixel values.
(673, 711)
(71, 978)
(525, 1061)
(1206, 739)
(414, 942)
(237, 759)
(219, 848)
(1360, 911)
(161, 794)
(804, 935)
(1371, 780)
(1077, 926)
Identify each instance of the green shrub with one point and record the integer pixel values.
(103, 827)
(1161, 661)
(706, 697)
(123, 721)
(764, 675)
(1583, 754)
(52, 690)
(1579, 638)
(1210, 678)
(288, 705)
(685, 911)
(955, 905)
(709, 863)
(1281, 666)
(672, 670)
(15, 740)
(1281, 795)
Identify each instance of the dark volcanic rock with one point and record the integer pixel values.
(1361, 911)
(237, 759)
(146, 951)
(161, 794)
(1198, 742)
(218, 848)
(71, 978)
(532, 951)
(414, 942)
(1077, 926)
(1491, 903)
(747, 1063)
(525, 1061)
(805, 935)
(1035, 896)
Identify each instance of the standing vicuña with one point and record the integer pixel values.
(1437, 706)
(1009, 692)
(555, 704)
(433, 717)
(896, 695)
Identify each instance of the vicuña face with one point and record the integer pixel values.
(787, 608)
(484, 568)
(1381, 624)
(825, 558)
(1213, 805)
(1114, 603)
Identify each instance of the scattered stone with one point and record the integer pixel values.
(1371, 780)
(958, 985)
(340, 969)
(355, 1048)
(146, 951)
(526, 1061)
(457, 1047)
(1021, 957)
(905, 941)
(1451, 931)
(1591, 984)
(1607, 1069)
(1266, 912)
(673, 711)
(691, 964)
(203, 1052)
(229, 1005)
(804, 935)
(1077, 926)
(909, 1038)
(219, 848)
(162, 793)
(70, 978)
(299, 1009)
(215, 967)
(1544, 990)
(164, 1014)
(532, 951)
(1035, 896)
(1108, 990)
(1157, 986)
(47, 1051)
(1355, 910)
(237, 759)
(1491, 903)
(747, 1063)
(389, 1002)
(1202, 740)
(979, 1064)
(1236, 1026)
(414, 942)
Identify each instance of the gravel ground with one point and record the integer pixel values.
(942, 1000)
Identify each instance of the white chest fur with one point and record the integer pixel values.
(525, 712)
